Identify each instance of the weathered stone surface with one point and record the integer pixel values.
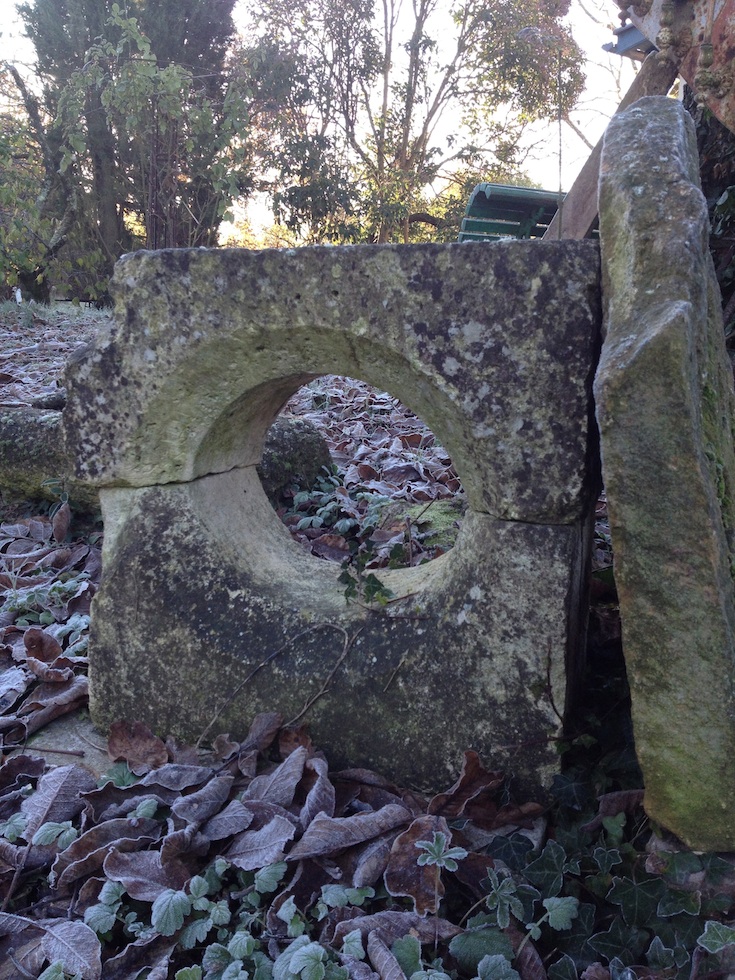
(32, 450)
(666, 408)
(208, 610)
(202, 584)
(210, 343)
(294, 452)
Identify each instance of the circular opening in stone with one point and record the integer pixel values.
(359, 479)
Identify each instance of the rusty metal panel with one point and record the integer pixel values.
(699, 35)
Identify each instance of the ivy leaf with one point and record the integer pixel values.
(563, 969)
(606, 858)
(675, 901)
(615, 827)
(471, 946)
(547, 871)
(496, 967)
(660, 958)
(189, 973)
(169, 911)
(715, 868)
(574, 941)
(560, 912)
(527, 895)
(512, 851)
(680, 930)
(637, 900)
(680, 866)
(619, 971)
(571, 791)
(716, 936)
(620, 940)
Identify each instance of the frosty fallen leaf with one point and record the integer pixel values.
(88, 852)
(326, 835)
(392, 925)
(280, 785)
(321, 795)
(405, 877)
(136, 744)
(143, 874)
(195, 808)
(41, 644)
(253, 849)
(382, 959)
(61, 521)
(57, 797)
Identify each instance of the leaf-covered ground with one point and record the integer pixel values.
(35, 343)
(252, 859)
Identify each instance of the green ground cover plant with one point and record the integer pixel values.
(257, 862)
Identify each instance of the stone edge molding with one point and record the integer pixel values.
(666, 410)
(208, 610)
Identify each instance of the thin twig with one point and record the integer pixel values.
(271, 656)
(22, 970)
(97, 748)
(388, 602)
(49, 748)
(549, 689)
(349, 640)
(18, 872)
(392, 677)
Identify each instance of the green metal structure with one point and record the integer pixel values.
(497, 211)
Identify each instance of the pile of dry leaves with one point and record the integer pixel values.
(265, 803)
(35, 343)
(389, 471)
(46, 588)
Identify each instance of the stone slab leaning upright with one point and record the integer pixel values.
(209, 612)
(665, 408)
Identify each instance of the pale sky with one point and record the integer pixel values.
(608, 77)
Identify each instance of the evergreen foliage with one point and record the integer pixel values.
(146, 119)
